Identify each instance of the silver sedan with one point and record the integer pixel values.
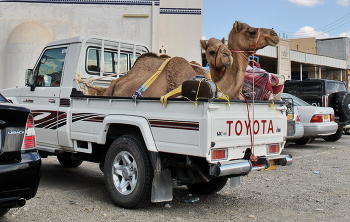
(317, 121)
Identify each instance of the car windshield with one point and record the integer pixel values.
(2, 99)
(296, 101)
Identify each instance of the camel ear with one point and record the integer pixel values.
(223, 40)
(237, 26)
(204, 44)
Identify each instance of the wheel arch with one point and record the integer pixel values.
(116, 125)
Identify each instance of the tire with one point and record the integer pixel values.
(210, 187)
(69, 163)
(341, 105)
(3, 211)
(128, 172)
(334, 137)
(302, 141)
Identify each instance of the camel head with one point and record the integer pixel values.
(244, 37)
(217, 53)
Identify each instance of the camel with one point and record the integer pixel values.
(174, 74)
(243, 41)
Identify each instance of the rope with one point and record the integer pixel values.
(253, 158)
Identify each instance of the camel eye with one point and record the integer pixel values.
(212, 52)
(252, 32)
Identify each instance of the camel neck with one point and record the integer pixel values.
(231, 83)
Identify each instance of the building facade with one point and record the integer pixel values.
(167, 27)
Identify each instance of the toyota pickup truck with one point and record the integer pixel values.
(143, 147)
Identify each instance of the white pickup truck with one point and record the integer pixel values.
(143, 147)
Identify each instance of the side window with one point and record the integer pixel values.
(48, 72)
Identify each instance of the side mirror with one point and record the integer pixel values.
(30, 79)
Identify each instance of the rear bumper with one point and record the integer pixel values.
(320, 129)
(243, 167)
(19, 180)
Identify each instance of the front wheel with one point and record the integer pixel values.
(210, 187)
(128, 172)
(334, 137)
(302, 141)
(346, 131)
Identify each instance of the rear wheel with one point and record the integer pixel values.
(302, 141)
(128, 172)
(210, 187)
(69, 162)
(3, 211)
(334, 137)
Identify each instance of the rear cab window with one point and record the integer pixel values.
(111, 65)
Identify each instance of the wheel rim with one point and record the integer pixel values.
(124, 172)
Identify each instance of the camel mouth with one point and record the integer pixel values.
(273, 42)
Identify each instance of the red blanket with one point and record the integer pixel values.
(267, 86)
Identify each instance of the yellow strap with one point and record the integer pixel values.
(164, 99)
(155, 75)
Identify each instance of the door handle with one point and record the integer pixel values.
(52, 101)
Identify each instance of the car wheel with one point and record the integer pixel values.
(69, 163)
(346, 131)
(210, 187)
(341, 105)
(334, 137)
(302, 141)
(3, 211)
(128, 172)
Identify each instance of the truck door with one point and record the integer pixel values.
(44, 100)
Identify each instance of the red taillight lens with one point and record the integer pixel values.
(29, 141)
(219, 154)
(317, 118)
(273, 148)
(332, 118)
(297, 119)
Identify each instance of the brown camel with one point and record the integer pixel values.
(174, 74)
(243, 41)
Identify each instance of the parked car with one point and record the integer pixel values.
(317, 121)
(20, 163)
(324, 93)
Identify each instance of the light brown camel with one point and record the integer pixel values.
(174, 74)
(243, 41)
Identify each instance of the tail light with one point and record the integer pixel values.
(297, 119)
(332, 118)
(317, 118)
(273, 148)
(219, 154)
(324, 101)
(29, 141)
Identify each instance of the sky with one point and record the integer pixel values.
(289, 18)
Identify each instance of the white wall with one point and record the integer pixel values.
(27, 27)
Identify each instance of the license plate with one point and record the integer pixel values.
(326, 118)
(290, 116)
(272, 166)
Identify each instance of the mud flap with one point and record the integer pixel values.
(162, 186)
(235, 182)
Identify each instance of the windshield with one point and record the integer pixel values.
(296, 101)
(2, 99)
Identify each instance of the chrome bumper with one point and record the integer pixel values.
(241, 167)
